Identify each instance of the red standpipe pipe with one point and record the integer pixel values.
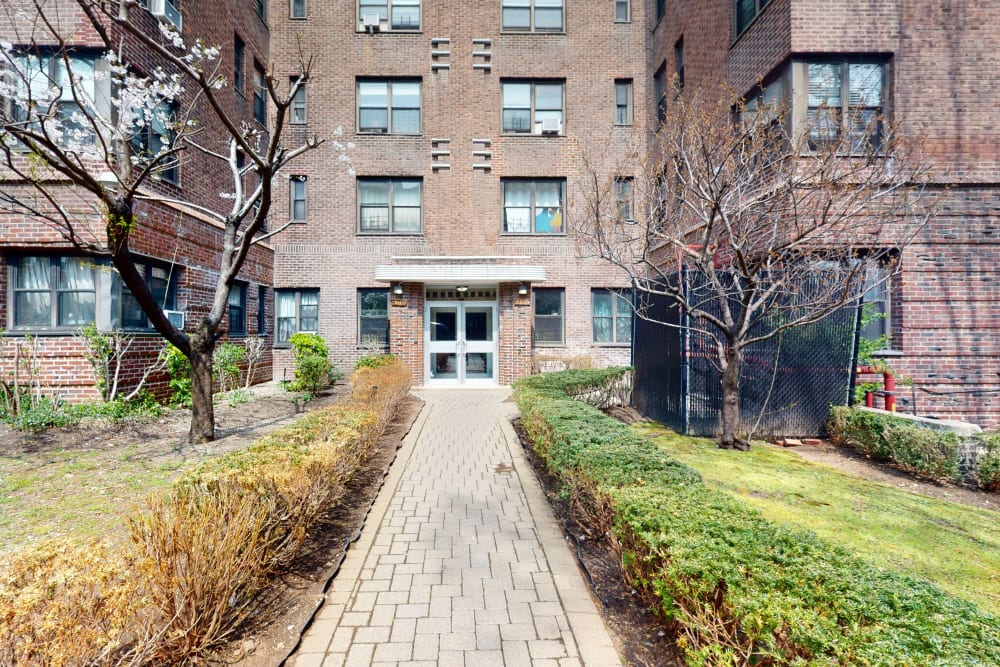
(890, 391)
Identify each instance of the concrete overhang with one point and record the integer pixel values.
(459, 274)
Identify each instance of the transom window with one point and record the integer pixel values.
(845, 97)
(534, 206)
(401, 14)
(297, 110)
(612, 316)
(390, 205)
(373, 317)
(533, 15)
(296, 311)
(297, 197)
(549, 316)
(389, 107)
(746, 12)
(531, 107)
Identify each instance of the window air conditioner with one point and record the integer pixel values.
(551, 126)
(165, 11)
(176, 318)
(370, 22)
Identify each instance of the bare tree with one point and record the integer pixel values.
(82, 148)
(753, 224)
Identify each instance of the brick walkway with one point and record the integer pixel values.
(461, 562)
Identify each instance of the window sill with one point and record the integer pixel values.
(620, 346)
(369, 133)
(390, 234)
(514, 235)
(390, 31)
(509, 31)
(532, 134)
(887, 353)
(550, 346)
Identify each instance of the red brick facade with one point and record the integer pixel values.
(942, 64)
(167, 235)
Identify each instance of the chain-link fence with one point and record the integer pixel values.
(787, 383)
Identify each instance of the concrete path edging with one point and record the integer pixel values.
(461, 561)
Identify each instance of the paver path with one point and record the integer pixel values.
(461, 563)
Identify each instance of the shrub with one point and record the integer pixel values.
(141, 408)
(227, 365)
(988, 462)
(312, 363)
(179, 368)
(40, 414)
(374, 361)
(198, 556)
(739, 589)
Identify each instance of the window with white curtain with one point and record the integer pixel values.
(389, 205)
(53, 292)
(612, 316)
(296, 311)
(527, 103)
(534, 206)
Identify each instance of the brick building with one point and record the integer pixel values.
(49, 289)
(934, 68)
(452, 242)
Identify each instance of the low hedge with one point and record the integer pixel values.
(738, 589)
(914, 448)
(198, 556)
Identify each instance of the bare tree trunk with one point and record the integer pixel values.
(202, 407)
(731, 400)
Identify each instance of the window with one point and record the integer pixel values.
(156, 134)
(260, 7)
(660, 92)
(373, 316)
(661, 9)
(297, 9)
(861, 85)
(548, 317)
(389, 205)
(533, 15)
(612, 312)
(261, 310)
(534, 206)
(49, 98)
(298, 107)
(239, 54)
(259, 94)
(297, 311)
(238, 309)
(878, 306)
(527, 104)
(622, 14)
(623, 199)
(623, 101)
(52, 292)
(679, 61)
(391, 107)
(126, 313)
(746, 12)
(401, 14)
(297, 197)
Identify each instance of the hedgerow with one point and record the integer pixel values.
(737, 588)
(914, 448)
(198, 556)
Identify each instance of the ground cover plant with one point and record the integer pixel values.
(738, 588)
(916, 449)
(199, 554)
(955, 546)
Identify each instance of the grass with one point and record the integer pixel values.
(74, 495)
(953, 545)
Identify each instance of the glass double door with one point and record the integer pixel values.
(460, 342)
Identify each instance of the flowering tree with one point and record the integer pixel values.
(83, 141)
(753, 224)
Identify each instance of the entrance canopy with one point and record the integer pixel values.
(452, 272)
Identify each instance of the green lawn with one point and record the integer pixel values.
(954, 545)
